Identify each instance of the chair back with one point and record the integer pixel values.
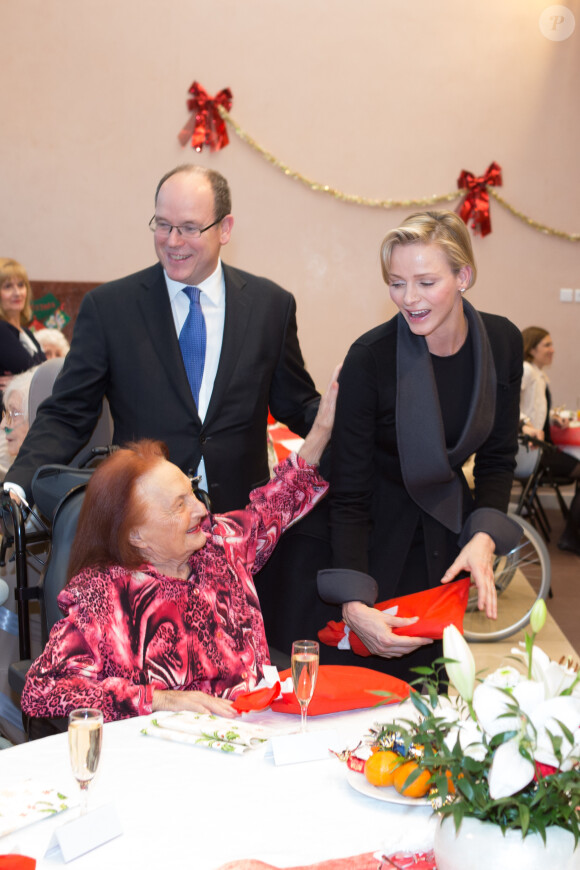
(527, 461)
(41, 388)
(64, 526)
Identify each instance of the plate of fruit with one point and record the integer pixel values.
(388, 776)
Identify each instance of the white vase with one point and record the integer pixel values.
(482, 846)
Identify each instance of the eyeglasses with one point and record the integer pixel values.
(189, 231)
(10, 416)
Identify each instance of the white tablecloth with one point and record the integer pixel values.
(184, 806)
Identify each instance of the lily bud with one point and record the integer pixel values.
(538, 615)
(461, 671)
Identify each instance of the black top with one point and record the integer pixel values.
(14, 356)
(454, 377)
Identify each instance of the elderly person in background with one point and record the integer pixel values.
(14, 418)
(15, 411)
(535, 418)
(12, 434)
(161, 612)
(19, 349)
(52, 342)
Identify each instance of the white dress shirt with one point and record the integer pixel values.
(213, 304)
(533, 400)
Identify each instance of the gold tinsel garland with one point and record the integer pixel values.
(384, 203)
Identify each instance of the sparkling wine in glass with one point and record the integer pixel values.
(305, 655)
(85, 736)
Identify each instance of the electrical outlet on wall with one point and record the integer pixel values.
(566, 294)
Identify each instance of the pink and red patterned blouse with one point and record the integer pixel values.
(126, 633)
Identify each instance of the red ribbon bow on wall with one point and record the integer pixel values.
(206, 126)
(475, 205)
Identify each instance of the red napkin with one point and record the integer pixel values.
(259, 699)
(436, 608)
(344, 687)
(338, 687)
(398, 861)
(17, 862)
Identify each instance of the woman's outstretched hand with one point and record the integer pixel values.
(375, 629)
(477, 558)
(319, 436)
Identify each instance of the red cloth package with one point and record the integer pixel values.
(338, 687)
(436, 608)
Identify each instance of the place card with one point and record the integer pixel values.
(85, 833)
(297, 748)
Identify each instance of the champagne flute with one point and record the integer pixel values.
(305, 656)
(85, 736)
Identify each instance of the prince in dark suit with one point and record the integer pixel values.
(125, 347)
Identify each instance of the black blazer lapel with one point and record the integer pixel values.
(155, 308)
(428, 474)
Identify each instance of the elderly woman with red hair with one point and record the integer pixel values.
(161, 612)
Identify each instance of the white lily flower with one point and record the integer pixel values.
(491, 705)
(529, 695)
(546, 718)
(448, 709)
(461, 671)
(470, 739)
(556, 678)
(509, 771)
(504, 678)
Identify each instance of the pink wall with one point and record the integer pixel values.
(380, 98)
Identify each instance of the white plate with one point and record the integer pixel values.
(387, 793)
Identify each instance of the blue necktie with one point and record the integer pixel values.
(192, 340)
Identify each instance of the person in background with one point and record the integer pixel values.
(189, 351)
(161, 611)
(52, 342)
(418, 395)
(14, 428)
(19, 349)
(15, 411)
(535, 419)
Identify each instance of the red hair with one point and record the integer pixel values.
(111, 509)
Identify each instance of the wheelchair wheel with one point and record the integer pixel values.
(521, 577)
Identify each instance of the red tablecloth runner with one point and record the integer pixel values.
(368, 861)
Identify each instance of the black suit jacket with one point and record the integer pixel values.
(125, 347)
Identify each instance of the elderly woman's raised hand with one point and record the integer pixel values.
(195, 702)
(374, 628)
(319, 436)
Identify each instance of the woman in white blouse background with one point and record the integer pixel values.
(535, 419)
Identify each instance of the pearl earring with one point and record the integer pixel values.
(462, 289)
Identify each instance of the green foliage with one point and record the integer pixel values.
(551, 800)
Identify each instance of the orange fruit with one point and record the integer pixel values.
(380, 767)
(416, 789)
(450, 783)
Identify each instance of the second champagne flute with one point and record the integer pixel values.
(305, 656)
(85, 735)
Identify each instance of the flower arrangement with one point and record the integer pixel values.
(507, 750)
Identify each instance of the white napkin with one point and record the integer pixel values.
(209, 731)
(29, 801)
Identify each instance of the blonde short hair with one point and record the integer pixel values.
(443, 228)
(12, 269)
